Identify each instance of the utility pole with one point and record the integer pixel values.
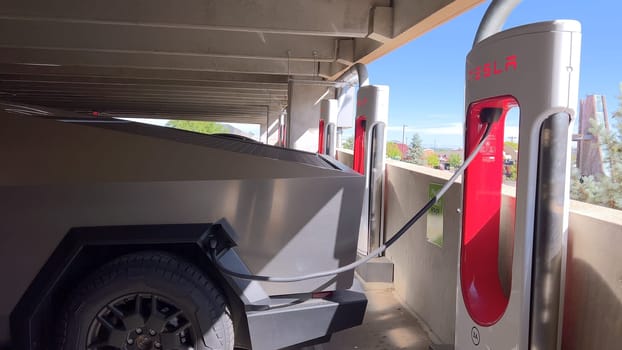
(404, 134)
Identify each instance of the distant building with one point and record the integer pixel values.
(427, 152)
(510, 152)
(403, 148)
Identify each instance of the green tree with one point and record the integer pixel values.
(513, 145)
(415, 150)
(203, 127)
(513, 172)
(393, 151)
(584, 188)
(455, 160)
(433, 160)
(604, 190)
(348, 143)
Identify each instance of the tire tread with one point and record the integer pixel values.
(168, 267)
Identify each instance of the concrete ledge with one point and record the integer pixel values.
(441, 347)
(376, 270)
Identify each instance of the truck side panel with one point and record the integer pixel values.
(287, 218)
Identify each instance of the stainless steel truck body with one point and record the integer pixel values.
(79, 194)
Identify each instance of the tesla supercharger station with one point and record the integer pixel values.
(327, 143)
(372, 114)
(535, 67)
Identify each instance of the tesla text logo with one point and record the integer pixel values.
(362, 102)
(493, 68)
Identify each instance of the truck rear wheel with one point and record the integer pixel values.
(146, 301)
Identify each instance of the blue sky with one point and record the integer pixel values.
(426, 76)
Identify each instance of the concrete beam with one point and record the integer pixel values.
(52, 87)
(348, 18)
(71, 57)
(142, 76)
(73, 112)
(381, 24)
(146, 108)
(145, 100)
(36, 90)
(192, 112)
(98, 37)
(365, 47)
(160, 57)
(411, 19)
(327, 70)
(408, 14)
(226, 119)
(231, 100)
(345, 51)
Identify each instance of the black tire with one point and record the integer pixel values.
(108, 307)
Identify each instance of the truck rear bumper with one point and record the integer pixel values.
(303, 321)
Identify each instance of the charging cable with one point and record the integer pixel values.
(376, 252)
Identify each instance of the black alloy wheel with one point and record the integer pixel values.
(146, 301)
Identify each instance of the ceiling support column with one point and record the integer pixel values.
(303, 112)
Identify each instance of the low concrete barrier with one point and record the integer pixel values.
(345, 156)
(426, 274)
(593, 293)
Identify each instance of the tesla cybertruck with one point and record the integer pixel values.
(115, 235)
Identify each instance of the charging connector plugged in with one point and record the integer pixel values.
(490, 115)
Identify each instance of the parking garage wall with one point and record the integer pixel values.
(425, 274)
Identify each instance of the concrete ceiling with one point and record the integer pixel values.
(195, 59)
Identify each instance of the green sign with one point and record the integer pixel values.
(434, 229)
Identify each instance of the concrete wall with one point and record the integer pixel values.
(593, 300)
(426, 275)
(345, 156)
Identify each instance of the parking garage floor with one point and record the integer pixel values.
(387, 325)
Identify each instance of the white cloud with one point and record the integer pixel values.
(511, 131)
(453, 129)
(447, 129)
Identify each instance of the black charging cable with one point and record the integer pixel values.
(488, 116)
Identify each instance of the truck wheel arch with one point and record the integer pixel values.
(84, 249)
